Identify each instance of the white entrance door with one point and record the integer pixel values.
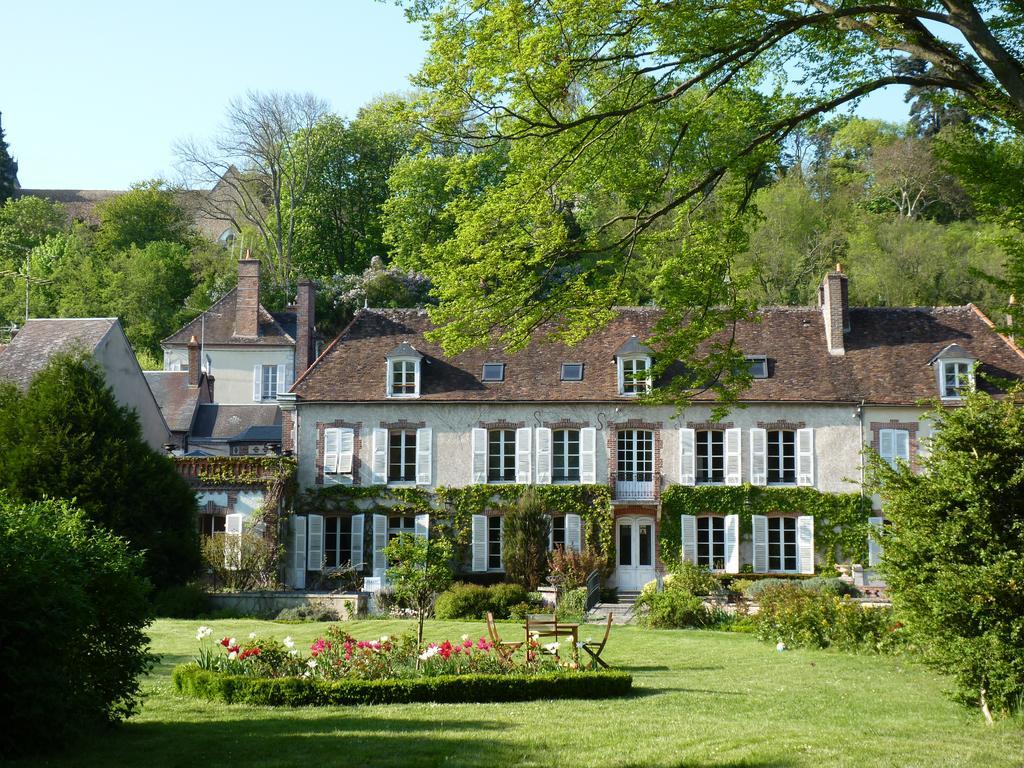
(634, 547)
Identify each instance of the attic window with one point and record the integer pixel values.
(493, 372)
(758, 366)
(572, 371)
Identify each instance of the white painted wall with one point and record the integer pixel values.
(232, 369)
(124, 376)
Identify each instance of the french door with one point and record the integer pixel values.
(634, 548)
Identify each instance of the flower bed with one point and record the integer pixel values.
(342, 670)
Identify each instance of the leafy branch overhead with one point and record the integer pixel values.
(629, 136)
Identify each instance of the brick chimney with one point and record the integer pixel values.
(247, 298)
(305, 318)
(834, 300)
(193, 362)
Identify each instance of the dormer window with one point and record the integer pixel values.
(758, 366)
(954, 369)
(572, 372)
(404, 371)
(634, 363)
(493, 372)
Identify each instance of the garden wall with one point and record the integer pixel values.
(347, 606)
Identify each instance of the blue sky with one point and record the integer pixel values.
(94, 94)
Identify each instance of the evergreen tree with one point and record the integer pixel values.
(8, 169)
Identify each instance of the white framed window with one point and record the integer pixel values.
(495, 530)
(783, 551)
(710, 455)
(957, 378)
(493, 372)
(572, 372)
(501, 456)
(894, 445)
(634, 375)
(403, 377)
(399, 524)
(402, 456)
(337, 541)
(565, 455)
(269, 382)
(711, 542)
(634, 456)
(781, 457)
(338, 455)
(758, 366)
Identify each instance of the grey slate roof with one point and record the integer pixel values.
(227, 422)
(31, 349)
(274, 329)
(177, 400)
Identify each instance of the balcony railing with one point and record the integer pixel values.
(232, 470)
(634, 490)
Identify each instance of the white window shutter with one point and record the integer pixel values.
(573, 533)
(297, 555)
(479, 542)
(315, 547)
(874, 541)
(346, 450)
(688, 523)
(479, 462)
(805, 542)
(588, 455)
(759, 523)
(357, 542)
(331, 449)
(233, 540)
(422, 523)
(903, 445)
(424, 456)
(687, 457)
(257, 382)
(543, 456)
(524, 455)
(887, 446)
(732, 543)
(733, 456)
(805, 457)
(379, 466)
(289, 378)
(380, 540)
(281, 373)
(758, 456)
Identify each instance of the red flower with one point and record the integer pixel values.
(250, 652)
(319, 646)
(226, 642)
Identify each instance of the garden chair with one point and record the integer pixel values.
(595, 649)
(504, 648)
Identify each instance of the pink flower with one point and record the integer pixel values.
(319, 646)
(467, 643)
(483, 644)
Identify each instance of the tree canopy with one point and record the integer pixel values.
(8, 170)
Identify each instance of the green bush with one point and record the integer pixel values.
(673, 608)
(187, 601)
(801, 617)
(472, 601)
(307, 613)
(72, 634)
(693, 578)
(297, 692)
(572, 604)
(831, 586)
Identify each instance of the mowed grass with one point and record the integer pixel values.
(702, 699)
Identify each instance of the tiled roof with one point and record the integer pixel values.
(31, 349)
(223, 422)
(275, 329)
(886, 360)
(177, 400)
(80, 204)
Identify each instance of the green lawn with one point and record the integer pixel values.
(702, 699)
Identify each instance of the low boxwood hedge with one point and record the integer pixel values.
(298, 692)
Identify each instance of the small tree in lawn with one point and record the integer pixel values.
(952, 554)
(419, 568)
(526, 530)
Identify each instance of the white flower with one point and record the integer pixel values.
(232, 642)
(534, 635)
(203, 632)
(293, 652)
(288, 642)
(780, 646)
(311, 663)
(232, 656)
(552, 647)
(385, 638)
(252, 635)
(431, 651)
(579, 645)
(465, 638)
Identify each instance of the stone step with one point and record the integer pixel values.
(622, 613)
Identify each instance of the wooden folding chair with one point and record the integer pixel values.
(595, 649)
(504, 648)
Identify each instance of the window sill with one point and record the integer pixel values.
(402, 397)
(337, 479)
(566, 482)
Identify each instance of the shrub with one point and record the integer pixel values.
(187, 601)
(418, 569)
(830, 586)
(569, 569)
(673, 609)
(572, 604)
(75, 611)
(307, 612)
(243, 562)
(472, 601)
(298, 692)
(525, 540)
(695, 579)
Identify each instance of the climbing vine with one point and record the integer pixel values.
(840, 519)
(276, 475)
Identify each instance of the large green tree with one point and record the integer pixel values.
(8, 169)
(623, 116)
(66, 437)
(150, 212)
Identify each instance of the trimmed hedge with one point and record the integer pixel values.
(300, 692)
